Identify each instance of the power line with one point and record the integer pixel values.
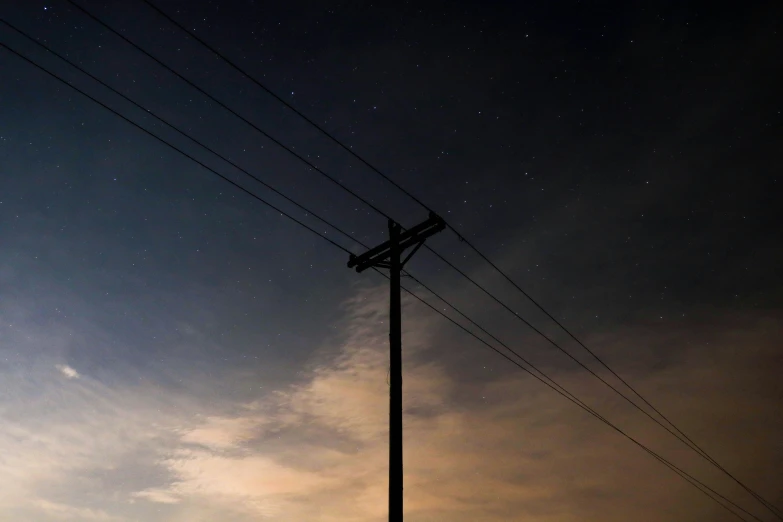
(232, 111)
(150, 113)
(557, 388)
(210, 169)
(565, 393)
(177, 130)
(344, 187)
(360, 198)
(288, 105)
(560, 348)
(682, 436)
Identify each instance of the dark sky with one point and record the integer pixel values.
(171, 349)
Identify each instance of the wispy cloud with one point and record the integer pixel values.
(156, 495)
(316, 449)
(220, 433)
(67, 371)
(68, 512)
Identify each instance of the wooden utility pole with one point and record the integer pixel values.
(387, 255)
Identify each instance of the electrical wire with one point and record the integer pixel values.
(682, 436)
(232, 111)
(197, 142)
(178, 131)
(360, 198)
(210, 169)
(281, 100)
(556, 387)
(184, 134)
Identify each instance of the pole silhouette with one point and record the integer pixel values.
(388, 255)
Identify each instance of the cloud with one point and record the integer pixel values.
(317, 450)
(68, 372)
(223, 433)
(498, 448)
(156, 495)
(66, 512)
(61, 442)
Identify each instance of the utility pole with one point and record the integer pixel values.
(387, 255)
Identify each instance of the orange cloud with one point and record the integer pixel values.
(520, 453)
(498, 449)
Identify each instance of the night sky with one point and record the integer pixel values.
(173, 350)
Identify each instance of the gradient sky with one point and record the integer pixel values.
(171, 350)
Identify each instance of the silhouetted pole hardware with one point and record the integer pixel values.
(387, 255)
